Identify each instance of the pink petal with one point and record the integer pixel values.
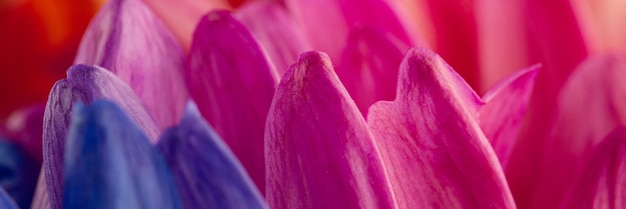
(275, 30)
(128, 39)
(504, 110)
(591, 104)
(327, 23)
(233, 85)
(25, 127)
(83, 84)
(41, 200)
(319, 151)
(369, 66)
(601, 181)
(435, 154)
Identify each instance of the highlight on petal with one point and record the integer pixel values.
(319, 151)
(41, 200)
(18, 173)
(601, 181)
(276, 32)
(591, 104)
(504, 110)
(431, 145)
(5, 200)
(109, 163)
(83, 84)
(206, 172)
(130, 41)
(370, 63)
(230, 79)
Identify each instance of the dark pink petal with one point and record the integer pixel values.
(327, 23)
(434, 152)
(370, 65)
(276, 32)
(233, 85)
(25, 127)
(591, 104)
(602, 180)
(128, 39)
(319, 151)
(504, 110)
(83, 84)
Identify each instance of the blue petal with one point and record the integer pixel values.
(5, 201)
(206, 172)
(110, 164)
(18, 173)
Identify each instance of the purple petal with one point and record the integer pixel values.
(319, 151)
(206, 172)
(128, 39)
(276, 31)
(230, 79)
(504, 110)
(601, 181)
(432, 148)
(41, 200)
(83, 84)
(370, 65)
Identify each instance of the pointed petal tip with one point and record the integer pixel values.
(526, 76)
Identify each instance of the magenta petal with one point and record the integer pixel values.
(83, 84)
(25, 127)
(319, 151)
(276, 32)
(430, 143)
(233, 85)
(504, 110)
(370, 65)
(601, 182)
(128, 39)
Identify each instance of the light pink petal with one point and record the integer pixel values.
(319, 151)
(504, 110)
(83, 84)
(41, 200)
(327, 23)
(601, 183)
(25, 127)
(275, 30)
(434, 152)
(233, 85)
(590, 105)
(370, 65)
(128, 39)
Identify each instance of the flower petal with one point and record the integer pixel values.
(25, 127)
(206, 172)
(83, 84)
(109, 163)
(5, 200)
(18, 173)
(41, 200)
(430, 142)
(369, 66)
(504, 110)
(276, 31)
(601, 181)
(230, 79)
(128, 39)
(319, 152)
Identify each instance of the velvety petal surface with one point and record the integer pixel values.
(434, 152)
(206, 172)
(230, 79)
(504, 110)
(276, 32)
(110, 163)
(327, 23)
(591, 104)
(319, 151)
(83, 84)
(370, 65)
(18, 173)
(128, 39)
(601, 181)
(5, 200)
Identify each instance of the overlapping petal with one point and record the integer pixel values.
(233, 84)
(110, 163)
(319, 151)
(127, 38)
(431, 145)
(206, 172)
(83, 84)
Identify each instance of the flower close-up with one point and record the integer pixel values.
(196, 104)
